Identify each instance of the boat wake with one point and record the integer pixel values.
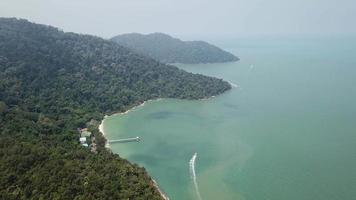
(193, 175)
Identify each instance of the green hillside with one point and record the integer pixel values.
(167, 49)
(51, 84)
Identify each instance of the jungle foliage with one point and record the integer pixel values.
(52, 83)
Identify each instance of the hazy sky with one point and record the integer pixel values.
(188, 18)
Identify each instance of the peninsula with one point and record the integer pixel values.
(167, 49)
(54, 83)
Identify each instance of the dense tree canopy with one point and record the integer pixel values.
(166, 49)
(52, 83)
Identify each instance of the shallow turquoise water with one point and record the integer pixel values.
(287, 132)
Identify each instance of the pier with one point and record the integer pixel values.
(133, 139)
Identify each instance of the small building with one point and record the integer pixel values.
(82, 140)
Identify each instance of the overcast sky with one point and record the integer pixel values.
(189, 18)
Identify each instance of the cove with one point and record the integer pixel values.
(287, 132)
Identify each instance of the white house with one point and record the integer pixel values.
(83, 140)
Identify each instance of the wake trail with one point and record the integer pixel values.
(193, 175)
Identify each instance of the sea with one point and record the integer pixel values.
(287, 131)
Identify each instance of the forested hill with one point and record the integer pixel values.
(52, 83)
(167, 49)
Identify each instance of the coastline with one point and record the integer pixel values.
(233, 85)
(101, 130)
(101, 126)
(107, 145)
(164, 196)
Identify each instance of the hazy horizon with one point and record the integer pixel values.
(188, 19)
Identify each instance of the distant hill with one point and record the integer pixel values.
(51, 84)
(167, 49)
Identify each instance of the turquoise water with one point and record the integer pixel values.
(287, 132)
